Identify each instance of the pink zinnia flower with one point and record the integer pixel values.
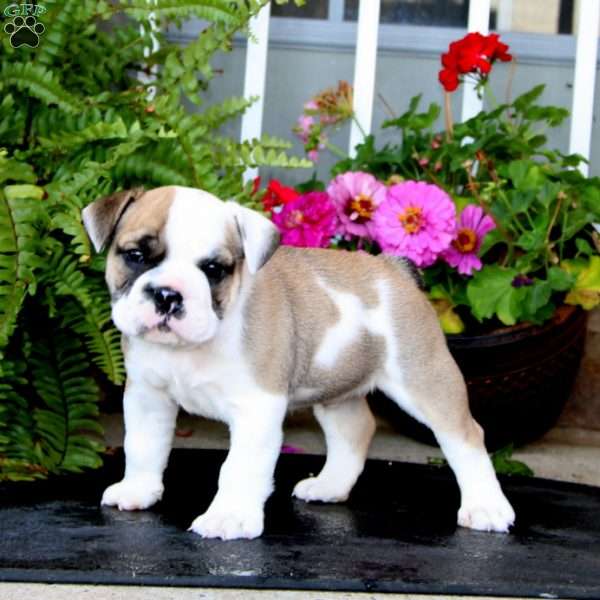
(417, 220)
(473, 225)
(356, 197)
(309, 221)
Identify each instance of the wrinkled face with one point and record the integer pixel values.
(176, 262)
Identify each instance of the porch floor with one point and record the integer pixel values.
(565, 454)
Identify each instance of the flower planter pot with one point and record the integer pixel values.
(519, 379)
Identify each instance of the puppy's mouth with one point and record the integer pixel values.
(163, 326)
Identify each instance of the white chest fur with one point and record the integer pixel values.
(202, 381)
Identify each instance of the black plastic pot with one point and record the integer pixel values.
(519, 379)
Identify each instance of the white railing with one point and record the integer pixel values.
(365, 67)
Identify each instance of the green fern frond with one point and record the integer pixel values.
(13, 118)
(60, 20)
(269, 141)
(60, 375)
(20, 219)
(84, 172)
(17, 454)
(254, 153)
(39, 82)
(72, 225)
(85, 309)
(101, 339)
(15, 170)
(98, 131)
(76, 124)
(65, 278)
(218, 114)
(160, 163)
(209, 10)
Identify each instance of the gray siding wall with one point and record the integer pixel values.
(297, 71)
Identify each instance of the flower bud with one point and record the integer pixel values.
(394, 179)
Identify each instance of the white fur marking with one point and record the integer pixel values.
(347, 329)
(483, 504)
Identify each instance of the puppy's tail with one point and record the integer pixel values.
(408, 266)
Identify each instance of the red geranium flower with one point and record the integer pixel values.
(474, 54)
(449, 79)
(277, 195)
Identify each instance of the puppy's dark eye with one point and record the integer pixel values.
(214, 271)
(134, 256)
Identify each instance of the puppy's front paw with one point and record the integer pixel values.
(133, 494)
(494, 515)
(228, 525)
(315, 489)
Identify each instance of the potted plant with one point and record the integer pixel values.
(501, 228)
(85, 111)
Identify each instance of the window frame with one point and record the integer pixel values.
(308, 34)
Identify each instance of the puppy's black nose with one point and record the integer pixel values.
(166, 300)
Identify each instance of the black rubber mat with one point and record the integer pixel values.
(396, 533)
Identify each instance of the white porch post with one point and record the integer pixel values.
(479, 20)
(584, 80)
(254, 79)
(364, 69)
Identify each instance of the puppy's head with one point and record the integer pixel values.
(175, 260)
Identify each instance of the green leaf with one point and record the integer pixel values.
(528, 98)
(444, 307)
(584, 247)
(532, 240)
(538, 296)
(504, 464)
(560, 280)
(586, 290)
(18, 192)
(490, 293)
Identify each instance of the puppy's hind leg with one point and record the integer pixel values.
(440, 402)
(348, 427)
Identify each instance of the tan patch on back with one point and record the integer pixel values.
(284, 326)
(289, 312)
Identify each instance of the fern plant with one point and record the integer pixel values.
(77, 122)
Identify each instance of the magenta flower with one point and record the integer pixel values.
(308, 221)
(303, 127)
(356, 197)
(473, 225)
(313, 155)
(417, 220)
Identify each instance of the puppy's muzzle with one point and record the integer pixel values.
(167, 301)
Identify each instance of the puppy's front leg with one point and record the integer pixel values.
(246, 477)
(149, 424)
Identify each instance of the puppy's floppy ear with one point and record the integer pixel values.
(101, 217)
(260, 237)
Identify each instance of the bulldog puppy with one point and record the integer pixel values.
(219, 320)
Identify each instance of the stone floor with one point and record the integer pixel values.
(17, 591)
(566, 453)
